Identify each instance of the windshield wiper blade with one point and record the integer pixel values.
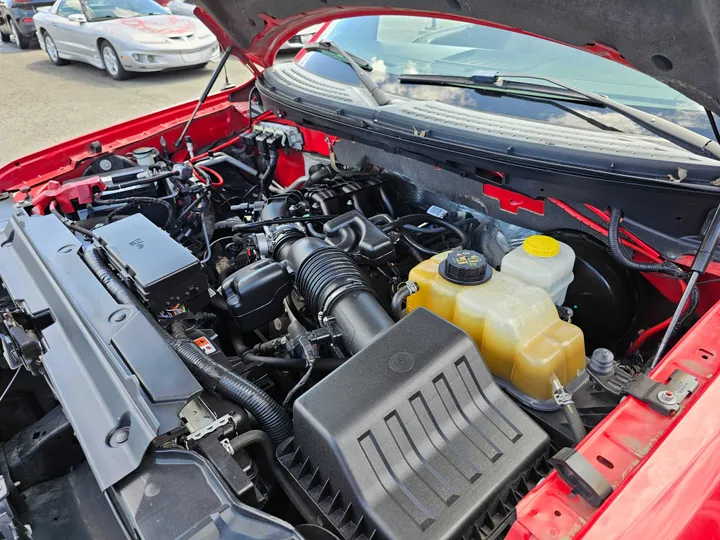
(328, 47)
(493, 82)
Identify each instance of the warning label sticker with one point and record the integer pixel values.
(205, 345)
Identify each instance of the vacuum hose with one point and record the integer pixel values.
(270, 416)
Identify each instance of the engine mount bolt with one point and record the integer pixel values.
(667, 397)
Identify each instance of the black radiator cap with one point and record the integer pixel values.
(465, 267)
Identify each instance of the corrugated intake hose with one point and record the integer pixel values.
(269, 414)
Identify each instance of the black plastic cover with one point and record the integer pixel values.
(357, 235)
(176, 494)
(108, 366)
(411, 438)
(161, 271)
(255, 293)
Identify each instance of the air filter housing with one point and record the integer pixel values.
(411, 438)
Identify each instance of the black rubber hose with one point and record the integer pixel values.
(398, 299)
(228, 223)
(257, 226)
(321, 174)
(143, 181)
(574, 421)
(269, 414)
(72, 226)
(128, 201)
(412, 241)
(619, 255)
(322, 365)
(421, 218)
(312, 231)
(267, 176)
(387, 202)
(263, 441)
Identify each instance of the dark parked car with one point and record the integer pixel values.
(16, 19)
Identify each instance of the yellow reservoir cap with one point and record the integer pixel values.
(540, 245)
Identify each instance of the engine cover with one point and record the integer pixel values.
(411, 438)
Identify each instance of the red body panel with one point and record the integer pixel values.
(64, 195)
(666, 470)
(216, 119)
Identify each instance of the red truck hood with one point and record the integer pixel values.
(673, 41)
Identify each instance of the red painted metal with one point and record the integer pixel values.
(216, 119)
(290, 167)
(708, 284)
(66, 195)
(512, 202)
(665, 470)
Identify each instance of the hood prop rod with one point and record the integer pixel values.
(703, 257)
(204, 95)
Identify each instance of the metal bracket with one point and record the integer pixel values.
(210, 428)
(664, 398)
(10, 526)
(581, 476)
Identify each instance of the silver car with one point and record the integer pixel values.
(123, 36)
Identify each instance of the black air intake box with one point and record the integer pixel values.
(411, 438)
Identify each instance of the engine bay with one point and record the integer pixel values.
(317, 347)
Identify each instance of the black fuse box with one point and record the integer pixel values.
(159, 270)
(410, 439)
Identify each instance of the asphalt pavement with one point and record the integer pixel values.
(42, 104)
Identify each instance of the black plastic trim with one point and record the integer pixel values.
(118, 393)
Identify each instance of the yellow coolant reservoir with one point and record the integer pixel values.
(516, 326)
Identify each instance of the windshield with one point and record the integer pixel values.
(397, 45)
(121, 9)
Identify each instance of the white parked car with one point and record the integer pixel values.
(295, 43)
(123, 36)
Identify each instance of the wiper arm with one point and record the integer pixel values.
(356, 63)
(493, 82)
(327, 48)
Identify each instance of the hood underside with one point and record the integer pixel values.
(674, 41)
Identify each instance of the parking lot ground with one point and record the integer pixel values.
(42, 104)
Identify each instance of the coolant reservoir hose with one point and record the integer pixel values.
(572, 415)
(268, 413)
(399, 298)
